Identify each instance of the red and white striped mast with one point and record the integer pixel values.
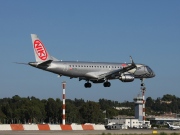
(143, 89)
(64, 105)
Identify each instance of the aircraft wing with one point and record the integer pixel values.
(118, 71)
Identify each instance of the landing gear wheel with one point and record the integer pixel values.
(143, 88)
(87, 85)
(142, 82)
(107, 84)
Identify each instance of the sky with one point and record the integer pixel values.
(90, 30)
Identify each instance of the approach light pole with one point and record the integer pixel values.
(64, 105)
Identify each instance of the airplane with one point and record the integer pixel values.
(172, 127)
(95, 72)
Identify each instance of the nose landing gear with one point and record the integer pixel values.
(142, 84)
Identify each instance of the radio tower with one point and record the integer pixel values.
(63, 107)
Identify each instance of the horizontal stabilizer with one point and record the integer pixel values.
(46, 63)
(21, 63)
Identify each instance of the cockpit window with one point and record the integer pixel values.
(149, 69)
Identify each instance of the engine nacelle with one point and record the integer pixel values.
(126, 78)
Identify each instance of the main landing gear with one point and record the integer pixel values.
(142, 84)
(87, 85)
(107, 84)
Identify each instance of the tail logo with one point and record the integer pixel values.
(40, 50)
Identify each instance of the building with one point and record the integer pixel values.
(122, 108)
(138, 107)
(137, 121)
(162, 119)
(130, 123)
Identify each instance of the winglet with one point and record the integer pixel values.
(132, 62)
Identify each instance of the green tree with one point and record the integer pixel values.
(91, 113)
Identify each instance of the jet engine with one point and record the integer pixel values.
(126, 78)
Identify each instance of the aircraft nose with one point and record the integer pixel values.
(151, 73)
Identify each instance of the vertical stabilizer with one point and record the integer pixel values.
(41, 54)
